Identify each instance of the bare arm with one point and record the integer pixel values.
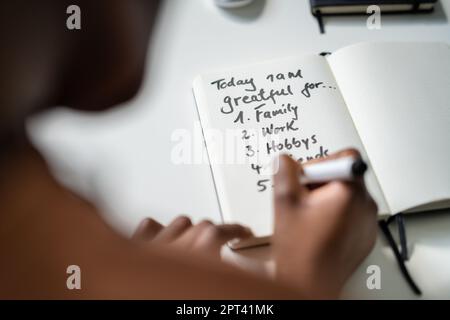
(44, 229)
(320, 237)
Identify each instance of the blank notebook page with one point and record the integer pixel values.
(398, 95)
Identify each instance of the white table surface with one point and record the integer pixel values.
(121, 159)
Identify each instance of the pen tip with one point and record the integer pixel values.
(359, 167)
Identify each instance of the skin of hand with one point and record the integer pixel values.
(203, 238)
(322, 233)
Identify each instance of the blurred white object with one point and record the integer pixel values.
(232, 3)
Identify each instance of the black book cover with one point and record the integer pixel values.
(327, 3)
(323, 5)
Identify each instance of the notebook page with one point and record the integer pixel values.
(286, 106)
(398, 95)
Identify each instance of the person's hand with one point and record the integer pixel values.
(204, 237)
(321, 234)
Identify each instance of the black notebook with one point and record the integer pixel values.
(335, 7)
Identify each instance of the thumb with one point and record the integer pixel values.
(288, 191)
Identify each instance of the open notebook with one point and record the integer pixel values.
(391, 101)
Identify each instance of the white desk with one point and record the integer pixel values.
(121, 159)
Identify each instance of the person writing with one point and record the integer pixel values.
(320, 237)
